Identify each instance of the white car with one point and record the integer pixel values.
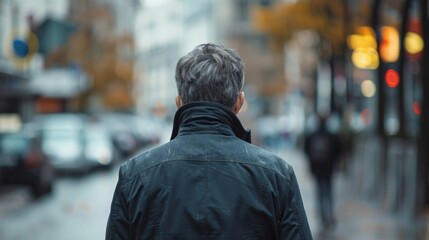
(62, 140)
(99, 149)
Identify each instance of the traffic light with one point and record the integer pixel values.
(365, 58)
(391, 78)
(413, 43)
(364, 46)
(389, 46)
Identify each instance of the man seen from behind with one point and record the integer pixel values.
(209, 181)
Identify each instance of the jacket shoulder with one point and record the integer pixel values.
(145, 160)
(267, 159)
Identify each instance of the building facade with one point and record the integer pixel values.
(166, 30)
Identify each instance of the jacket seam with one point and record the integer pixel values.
(118, 202)
(201, 160)
(295, 212)
(294, 208)
(146, 190)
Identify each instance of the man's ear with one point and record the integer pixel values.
(239, 103)
(179, 102)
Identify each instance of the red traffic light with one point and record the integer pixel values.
(391, 78)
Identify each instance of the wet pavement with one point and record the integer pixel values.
(356, 217)
(79, 207)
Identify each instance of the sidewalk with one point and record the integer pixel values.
(357, 219)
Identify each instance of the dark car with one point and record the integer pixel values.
(131, 133)
(23, 163)
(122, 132)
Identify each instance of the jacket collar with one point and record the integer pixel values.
(208, 117)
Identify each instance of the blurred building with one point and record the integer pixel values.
(87, 44)
(19, 56)
(166, 30)
(103, 47)
(28, 32)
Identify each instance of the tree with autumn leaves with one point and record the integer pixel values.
(281, 20)
(107, 57)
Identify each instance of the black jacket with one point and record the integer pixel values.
(323, 150)
(208, 182)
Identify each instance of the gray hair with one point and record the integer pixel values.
(210, 72)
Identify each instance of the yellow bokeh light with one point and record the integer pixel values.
(389, 47)
(365, 30)
(355, 41)
(365, 38)
(413, 43)
(365, 58)
(368, 88)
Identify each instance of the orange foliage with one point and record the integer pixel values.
(281, 20)
(97, 48)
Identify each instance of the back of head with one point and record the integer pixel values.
(210, 72)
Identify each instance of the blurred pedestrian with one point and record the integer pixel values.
(209, 181)
(323, 149)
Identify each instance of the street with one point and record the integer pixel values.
(79, 208)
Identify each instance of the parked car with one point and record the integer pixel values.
(123, 131)
(151, 131)
(23, 163)
(99, 149)
(62, 139)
